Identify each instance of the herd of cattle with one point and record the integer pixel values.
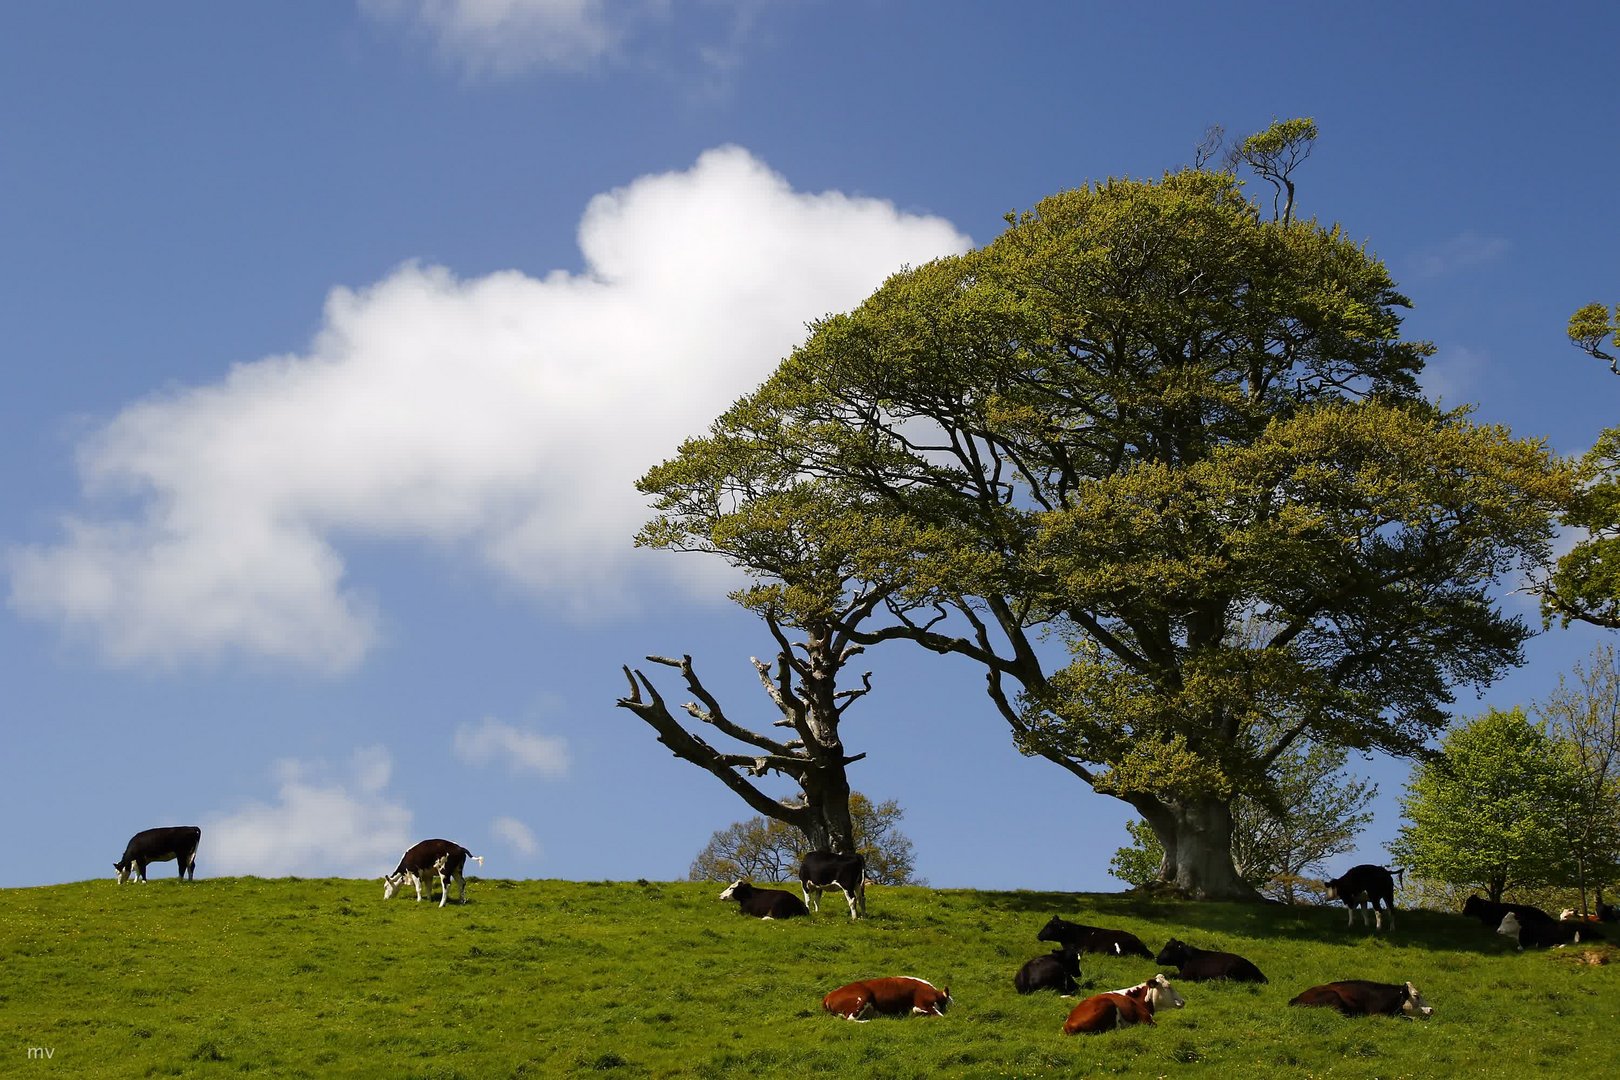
(1360, 888)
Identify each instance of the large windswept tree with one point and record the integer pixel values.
(1100, 451)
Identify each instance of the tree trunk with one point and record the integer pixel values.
(828, 825)
(1197, 839)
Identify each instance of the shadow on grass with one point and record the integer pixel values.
(1430, 930)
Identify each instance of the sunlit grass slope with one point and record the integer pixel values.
(322, 978)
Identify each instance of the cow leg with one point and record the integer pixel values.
(416, 883)
(812, 896)
(444, 887)
(849, 897)
(140, 870)
(461, 890)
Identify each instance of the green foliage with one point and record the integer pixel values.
(322, 979)
(1275, 153)
(1489, 811)
(1590, 325)
(1583, 718)
(1139, 421)
(764, 849)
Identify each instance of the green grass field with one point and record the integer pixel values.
(322, 978)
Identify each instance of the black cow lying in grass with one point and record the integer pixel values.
(1096, 939)
(1490, 912)
(1199, 965)
(1358, 997)
(764, 903)
(1540, 935)
(1055, 971)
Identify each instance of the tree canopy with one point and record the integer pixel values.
(1094, 454)
(1490, 811)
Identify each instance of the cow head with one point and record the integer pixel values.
(1054, 930)
(1174, 953)
(1162, 994)
(391, 885)
(736, 890)
(1510, 926)
(123, 871)
(1413, 1005)
(1331, 888)
(1473, 906)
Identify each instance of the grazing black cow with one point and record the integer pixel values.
(1095, 939)
(177, 842)
(822, 870)
(1490, 913)
(1539, 935)
(1055, 971)
(1199, 965)
(1358, 997)
(764, 903)
(439, 858)
(1365, 886)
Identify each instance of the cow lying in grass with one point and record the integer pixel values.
(1540, 935)
(1199, 965)
(892, 996)
(1490, 912)
(764, 903)
(1359, 997)
(1122, 1008)
(1094, 939)
(1055, 971)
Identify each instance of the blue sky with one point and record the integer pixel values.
(335, 335)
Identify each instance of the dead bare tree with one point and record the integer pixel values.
(802, 684)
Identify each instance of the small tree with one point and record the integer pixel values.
(1583, 716)
(1488, 812)
(763, 849)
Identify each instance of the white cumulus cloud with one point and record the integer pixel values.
(518, 835)
(490, 741)
(503, 418)
(320, 824)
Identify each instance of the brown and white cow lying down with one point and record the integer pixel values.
(764, 903)
(438, 858)
(1122, 1008)
(1358, 997)
(890, 996)
(1094, 939)
(1198, 965)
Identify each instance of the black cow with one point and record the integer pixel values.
(1490, 913)
(1608, 913)
(821, 870)
(1358, 997)
(1365, 886)
(177, 842)
(1199, 965)
(441, 859)
(764, 903)
(1055, 971)
(1095, 939)
(1538, 935)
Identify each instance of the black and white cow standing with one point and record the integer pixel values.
(1366, 886)
(822, 870)
(177, 842)
(440, 858)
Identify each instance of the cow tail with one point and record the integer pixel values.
(1399, 873)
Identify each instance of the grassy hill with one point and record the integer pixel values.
(322, 978)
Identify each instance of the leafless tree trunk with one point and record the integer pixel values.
(802, 685)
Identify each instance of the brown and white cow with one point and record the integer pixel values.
(1365, 886)
(1359, 997)
(1122, 1008)
(898, 995)
(439, 858)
